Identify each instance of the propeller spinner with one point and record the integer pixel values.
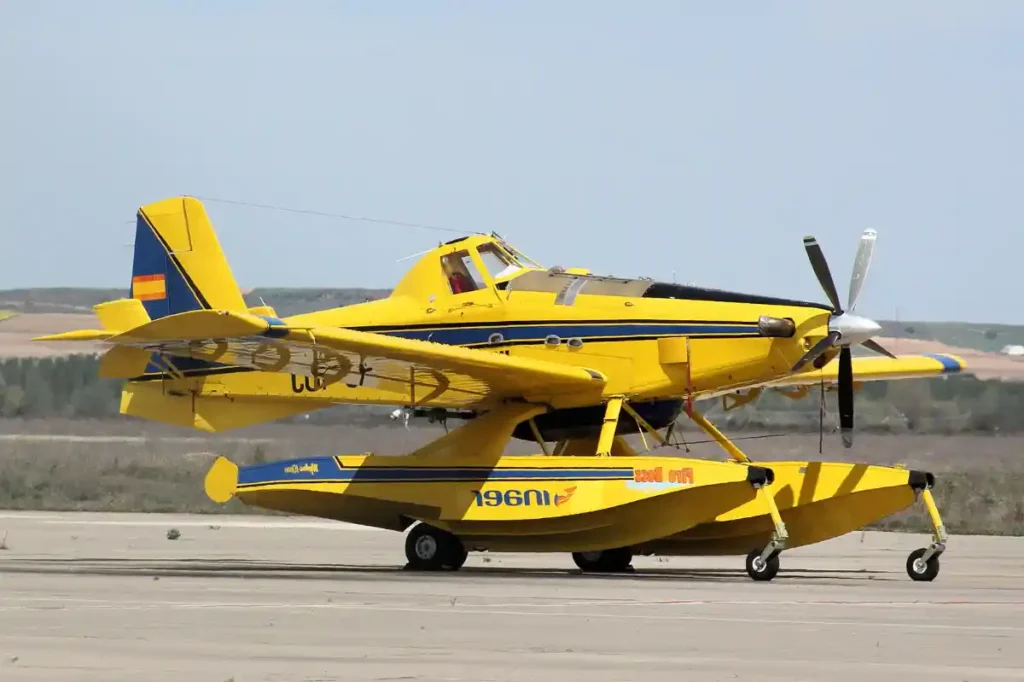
(844, 328)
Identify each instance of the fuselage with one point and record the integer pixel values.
(657, 342)
(728, 339)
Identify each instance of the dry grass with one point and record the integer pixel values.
(122, 466)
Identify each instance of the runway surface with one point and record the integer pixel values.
(104, 597)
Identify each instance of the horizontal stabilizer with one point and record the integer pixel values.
(187, 326)
(122, 314)
(195, 325)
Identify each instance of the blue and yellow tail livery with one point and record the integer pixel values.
(179, 265)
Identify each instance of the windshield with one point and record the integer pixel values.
(499, 264)
(520, 258)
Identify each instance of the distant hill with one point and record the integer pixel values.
(989, 338)
(285, 301)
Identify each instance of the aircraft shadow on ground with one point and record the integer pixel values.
(270, 570)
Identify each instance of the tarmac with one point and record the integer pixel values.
(108, 597)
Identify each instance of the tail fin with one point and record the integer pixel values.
(179, 265)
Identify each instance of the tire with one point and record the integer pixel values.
(604, 561)
(762, 572)
(925, 572)
(588, 561)
(455, 554)
(432, 549)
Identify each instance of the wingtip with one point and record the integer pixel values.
(951, 364)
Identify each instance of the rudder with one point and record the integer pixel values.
(179, 265)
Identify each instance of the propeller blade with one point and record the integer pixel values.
(817, 350)
(877, 347)
(860, 267)
(822, 272)
(846, 396)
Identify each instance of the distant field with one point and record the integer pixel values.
(16, 334)
(286, 301)
(982, 337)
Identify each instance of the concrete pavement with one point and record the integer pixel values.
(108, 597)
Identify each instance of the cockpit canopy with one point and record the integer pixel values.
(462, 268)
(486, 262)
(465, 265)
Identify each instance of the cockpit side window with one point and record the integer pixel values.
(461, 273)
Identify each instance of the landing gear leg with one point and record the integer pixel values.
(432, 549)
(763, 564)
(923, 564)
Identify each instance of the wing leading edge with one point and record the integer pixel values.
(879, 369)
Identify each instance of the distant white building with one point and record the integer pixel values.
(1013, 350)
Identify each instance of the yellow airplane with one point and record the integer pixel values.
(574, 361)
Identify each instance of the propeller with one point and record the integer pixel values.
(844, 328)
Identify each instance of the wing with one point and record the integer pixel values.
(879, 369)
(423, 370)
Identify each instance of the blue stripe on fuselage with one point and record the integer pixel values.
(471, 336)
(514, 333)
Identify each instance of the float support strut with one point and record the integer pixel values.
(611, 421)
(719, 437)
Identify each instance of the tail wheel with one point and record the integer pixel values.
(604, 561)
(432, 549)
(760, 569)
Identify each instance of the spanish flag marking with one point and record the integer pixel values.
(149, 287)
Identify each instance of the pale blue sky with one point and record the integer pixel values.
(634, 138)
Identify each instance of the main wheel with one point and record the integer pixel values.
(432, 549)
(604, 561)
(456, 553)
(759, 569)
(920, 570)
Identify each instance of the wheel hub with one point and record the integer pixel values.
(426, 547)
